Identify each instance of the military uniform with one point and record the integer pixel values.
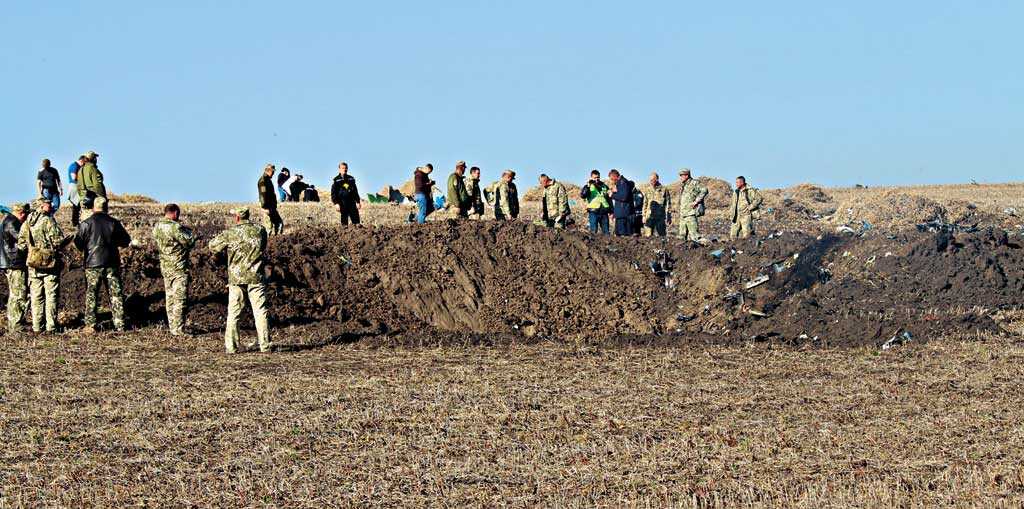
(744, 202)
(268, 202)
(12, 261)
(458, 197)
(44, 284)
(174, 243)
(689, 193)
(245, 244)
(655, 210)
(556, 205)
(506, 200)
(90, 186)
(476, 198)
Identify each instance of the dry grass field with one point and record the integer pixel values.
(143, 419)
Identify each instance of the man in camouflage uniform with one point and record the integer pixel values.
(476, 198)
(41, 231)
(99, 238)
(745, 201)
(556, 203)
(90, 183)
(245, 244)
(12, 260)
(174, 242)
(655, 209)
(506, 197)
(691, 205)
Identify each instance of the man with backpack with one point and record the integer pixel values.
(745, 201)
(43, 240)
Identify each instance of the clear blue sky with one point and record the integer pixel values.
(187, 100)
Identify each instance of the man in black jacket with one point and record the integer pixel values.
(99, 237)
(12, 261)
(622, 202)
(345, 195)
(268, 200)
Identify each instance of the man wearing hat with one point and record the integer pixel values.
(12, 261)
(506, 197)
(42, 239)
(657, 201)
(245, 244)
(458, 197)
(691, 205)
(268, 199)
(174, 242)
(98, 238)
(90, 182)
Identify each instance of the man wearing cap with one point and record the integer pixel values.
(555, 211)
(12, 261)
(506, 197)
(76, 205)
(656, 203)
(268, 200)
(458, 197)
(90, 182)
(174, 243)
(99, 238)
(691, 205)
(245, 244)
(42, 239)
(745, 201)
(345, 195)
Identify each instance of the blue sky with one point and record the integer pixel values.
(187, 100)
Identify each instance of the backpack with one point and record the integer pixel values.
(39, 258)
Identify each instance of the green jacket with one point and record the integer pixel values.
(174, 242)
(245, 244)
(458, 196)
(744, 202)
(556, 201)
(690, 192)
(90, 179)
(596, 196)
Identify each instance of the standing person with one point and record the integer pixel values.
(43, 240)
(595, 194)
(745, 201)
(691, 205)
(657, 201)
(268, 200)
(245, 244)
(174, 243)
(556, 203)
(98, 238)
(48, 184)
(282, 190)
(76, 204)
(424, 192)
(12, 261)
(345, 195)
(506, 197)
(476, 198)
(458, 197)
(622, 202)
(90, 182)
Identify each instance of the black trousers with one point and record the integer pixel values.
(349, 214)
(276, 223)
(623, 226)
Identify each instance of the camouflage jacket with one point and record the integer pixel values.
(46, 234)
(744, 202)
(245, 243)
(90, 179)
(657, 201)
(174, 242)
(556, 201)
(506, 199)
(689, 193)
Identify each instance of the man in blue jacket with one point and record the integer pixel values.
(622, 202)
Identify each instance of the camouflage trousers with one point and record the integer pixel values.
(689, 229)
(743, 227)
(93, 278)
(176, 300)
(655, 226)
(45, 289)
(257, 295)
(17, 297)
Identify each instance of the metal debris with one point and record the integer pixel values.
(758, 281)
(898, 339)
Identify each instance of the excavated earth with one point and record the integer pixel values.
(491, 282)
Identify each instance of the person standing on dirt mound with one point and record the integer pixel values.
(476, 197)
(268, 200)
(282, 190)
(424, 190)
(458, 197)
(90, 183)
(345, 195)
(99, 237)
(506, 197)
(745, 201)
(43, 240)
(245, 244)
(657, 199)
(556, 211)
(622, 202)
(13, 262)
(691, 206)
(174, 243)
(76, 205)
(48, 184)
(595, 194)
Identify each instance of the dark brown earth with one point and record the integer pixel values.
(500, 282)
